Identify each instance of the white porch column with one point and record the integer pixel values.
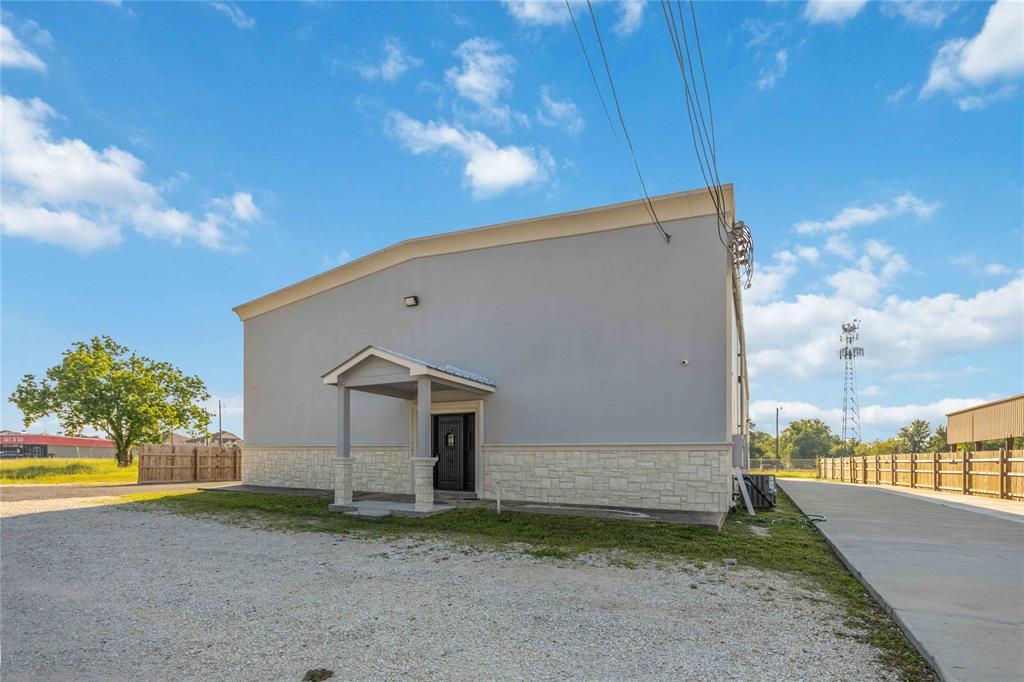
(343, 460)
(422, 462)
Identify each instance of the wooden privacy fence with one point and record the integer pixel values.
(184, 463)
(985, 472)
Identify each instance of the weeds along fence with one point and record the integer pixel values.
(185, 463)
(767, 464)
(990, 473)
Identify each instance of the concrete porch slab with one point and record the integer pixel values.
(382, 508)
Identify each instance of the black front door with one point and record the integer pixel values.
(454, 446)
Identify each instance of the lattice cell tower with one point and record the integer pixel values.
(851, 410)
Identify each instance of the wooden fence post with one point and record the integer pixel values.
(913, 468)
(892, 469)
(935, 471)
(964, 483)
(1003, 454)
(195, 464)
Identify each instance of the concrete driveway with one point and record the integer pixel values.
(952, 575)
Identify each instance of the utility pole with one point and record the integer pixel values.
(777, 410)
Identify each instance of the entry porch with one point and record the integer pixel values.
(393, 374)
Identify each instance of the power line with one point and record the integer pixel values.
(701, 143)
(590, 67)
(734, 235)
(618, 108)
(622, 122)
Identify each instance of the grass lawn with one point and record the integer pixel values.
(794, 545)
(58, 470)
(786, 473)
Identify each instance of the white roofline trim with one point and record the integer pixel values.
(415, 367)
(677, 206)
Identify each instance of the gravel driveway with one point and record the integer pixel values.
(101, 592)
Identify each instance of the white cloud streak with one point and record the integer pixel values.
(64, 192)
(996, 53)
(631, 17)
(235, 13)
(832, 11)
(561, 113)
(771, 74)
(489, 168)
(853, 216)
(537, 12)
(920, 12)
(396, 61)
(14, 54)
(881, 417)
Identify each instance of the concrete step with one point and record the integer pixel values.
(369, 513)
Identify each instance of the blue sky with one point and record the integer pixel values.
(165, 162)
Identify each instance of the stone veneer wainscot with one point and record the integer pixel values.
(377, 468)
(678, 477)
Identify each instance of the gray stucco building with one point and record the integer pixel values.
(576, 358)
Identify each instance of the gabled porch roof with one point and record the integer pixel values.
(380, 370)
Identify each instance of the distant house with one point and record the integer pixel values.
(175, 439)
(608, 365)
(14, 444)
(225, 437)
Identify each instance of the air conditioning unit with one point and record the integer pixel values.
(760, 488)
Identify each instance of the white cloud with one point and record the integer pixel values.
(797, 337)
(36, 33)
(61, 228)
(920, 12)
(396, 62)
(883, 417)
(896, 97)
(14, 55)
(490, 169)
(970, 262)
(770, 74)
(972, 102)
(832, 11)
(852, 216)
(997, 269)
(808, 253)
(235, 13)
(561, 113)
(484, 75)
(840, 245)
(537, 12)
(244, 208)
(997, 52)
(631, 16)
(64, 192)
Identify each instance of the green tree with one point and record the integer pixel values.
(938, 443)
(762, 445)
(888, 446)
(916, 435)
(132, 399)
(807, 439)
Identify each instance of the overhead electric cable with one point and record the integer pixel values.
(622, 121)
(590, 67)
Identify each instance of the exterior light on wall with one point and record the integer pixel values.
(684, 362)
(412, 301)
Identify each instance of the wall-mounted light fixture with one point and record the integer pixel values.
(412, 301)
(684, 362)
